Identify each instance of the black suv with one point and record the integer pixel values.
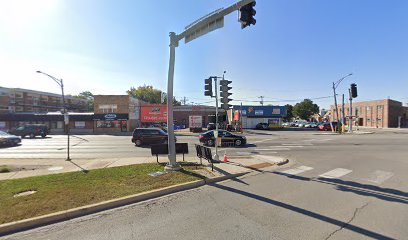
(148, 136)
(31, 130)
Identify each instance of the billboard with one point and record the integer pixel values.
(153, 113)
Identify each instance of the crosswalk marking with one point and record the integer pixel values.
(296, 144)
(336, 173)
(297, 170)
(379, 176)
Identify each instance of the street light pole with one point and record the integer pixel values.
(335, 85)
(65, 112)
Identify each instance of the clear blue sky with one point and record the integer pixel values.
(295, 51)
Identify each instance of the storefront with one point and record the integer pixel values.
(78, 122)
(152, 114)
(252, 115)
(111, 122)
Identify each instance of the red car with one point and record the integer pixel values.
(326, 126)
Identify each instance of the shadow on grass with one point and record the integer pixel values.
(302, 211)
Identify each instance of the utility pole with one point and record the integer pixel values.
(343, 114)
(240, 118)
(262, 99)
(184, 100)
(198, 28)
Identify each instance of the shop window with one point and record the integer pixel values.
(108, 124)
(108, 108)
(79, 124)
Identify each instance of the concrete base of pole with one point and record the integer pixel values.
(172, 168)
(216, 157)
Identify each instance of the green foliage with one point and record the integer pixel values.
(305, 109)
(87, 95)
(289, 115)
(149, 94)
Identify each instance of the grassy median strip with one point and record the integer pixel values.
(57, 192)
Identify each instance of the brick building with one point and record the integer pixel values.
(18, 100)
(384, 113)
(116, 113)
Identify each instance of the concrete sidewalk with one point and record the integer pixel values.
(22, 168)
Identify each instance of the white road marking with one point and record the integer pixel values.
(262, 141)
(297, 170)
(296, 144)
(270, 149)
(379, 176)
(55, 168)
(336, 173)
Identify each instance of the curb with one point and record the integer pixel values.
(30, 223)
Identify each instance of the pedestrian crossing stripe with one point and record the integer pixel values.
(297, 170)
(336, 173)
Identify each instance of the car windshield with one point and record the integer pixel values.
(4, 133)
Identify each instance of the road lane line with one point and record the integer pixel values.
(379, 176)
(261, 141)
(297, 170)
(270, 149)
(336, 173)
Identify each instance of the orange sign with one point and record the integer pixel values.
(154, 113)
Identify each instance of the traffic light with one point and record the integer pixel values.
(224, 94)
(208, 87)
(247, 14)
(353, 90)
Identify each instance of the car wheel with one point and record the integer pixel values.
(210, 142)
(43, 135)
(32, 135)
(238, 142)
(138, 142)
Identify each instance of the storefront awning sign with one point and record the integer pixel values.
(110, 116)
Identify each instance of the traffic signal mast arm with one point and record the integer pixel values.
(209, 19)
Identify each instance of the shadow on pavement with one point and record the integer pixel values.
(321, 217)
(386, 194)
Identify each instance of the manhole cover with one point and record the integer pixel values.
(55, 168)
(25, 193)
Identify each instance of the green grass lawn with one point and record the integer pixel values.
(64, 191)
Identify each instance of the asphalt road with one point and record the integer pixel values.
(107, 146)
(336, 187)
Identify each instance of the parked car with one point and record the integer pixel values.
(31, 130)
(208, 138)
(262, 126)
(311, 125)
(8, 139)
(326, 126)
(143, 136)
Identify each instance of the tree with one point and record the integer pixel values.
(305, 109)
(149, 94)
(289, 114)
(87, 95)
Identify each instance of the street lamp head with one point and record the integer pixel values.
(38, 71)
